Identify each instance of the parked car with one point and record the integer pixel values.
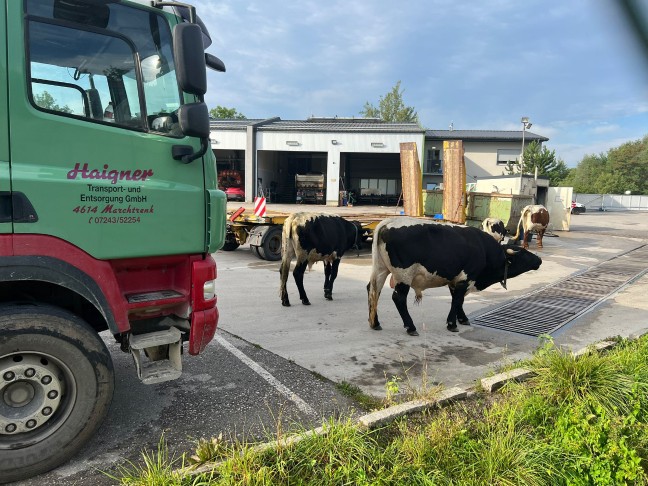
(235, 194)
(577, 208)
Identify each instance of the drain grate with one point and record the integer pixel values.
(548, 309)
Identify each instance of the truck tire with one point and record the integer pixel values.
(56, 385)
(255, 251)
(270, 248)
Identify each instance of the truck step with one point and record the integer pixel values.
(164, 350)
(151, 296)
(158, 372)
(156, 338)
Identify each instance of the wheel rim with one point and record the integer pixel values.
(274, 245)
(37, 394)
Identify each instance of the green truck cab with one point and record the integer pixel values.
(109, 212)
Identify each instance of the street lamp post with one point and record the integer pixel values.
(525, 124)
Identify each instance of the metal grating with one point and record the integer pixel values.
(548, 309)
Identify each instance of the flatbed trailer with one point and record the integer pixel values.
(263, 233)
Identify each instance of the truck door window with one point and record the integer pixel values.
(81, 61)
(121, 71)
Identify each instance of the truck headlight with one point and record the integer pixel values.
(209, 290)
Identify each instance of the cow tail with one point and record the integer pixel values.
(517, 228)
(377, 280)
(287, 254)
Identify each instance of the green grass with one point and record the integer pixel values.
(582, 420)
(366, 402)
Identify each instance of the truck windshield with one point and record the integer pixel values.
(119, 70)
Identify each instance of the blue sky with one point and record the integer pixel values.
(570, 66)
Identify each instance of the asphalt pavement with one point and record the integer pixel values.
(273, 367)
(333, 339)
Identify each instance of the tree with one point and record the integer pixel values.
(391, 108)
(223, 112)
(46, 100)
(629, 163)
(621, 169)
(538, 156)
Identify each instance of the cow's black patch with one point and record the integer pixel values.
(327, 235)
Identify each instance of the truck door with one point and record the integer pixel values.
(93, 99)
(5, 187)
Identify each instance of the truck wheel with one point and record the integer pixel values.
(270, 248)
(56, 385)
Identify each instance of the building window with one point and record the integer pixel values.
(506, 156)
(433, 162)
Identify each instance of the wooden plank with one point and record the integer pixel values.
(454, 182)
(412, 179)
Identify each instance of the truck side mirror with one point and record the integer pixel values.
(189, 56)
(214, 63)
(194, 120)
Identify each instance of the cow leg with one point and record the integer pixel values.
(540, 235)
(330, 273)
(525, 239)
(374, 287)
(283, 275)
(327, 281)
(298, 273)
(400, 299)
(456, 308)
(461, 315)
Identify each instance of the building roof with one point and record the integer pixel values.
(358, 125)
(483, 135)
(371, 125)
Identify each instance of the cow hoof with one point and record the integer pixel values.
(328, 296)
(464, 323)
(413, 332)
(453, 328)
(377, 328)
(285, 303)
(306, 302)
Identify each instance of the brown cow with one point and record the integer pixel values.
(533, 218)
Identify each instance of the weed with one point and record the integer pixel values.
(392, 388)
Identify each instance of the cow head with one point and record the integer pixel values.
(519, 261)
(495, 228)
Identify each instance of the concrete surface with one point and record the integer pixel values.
(332, 338)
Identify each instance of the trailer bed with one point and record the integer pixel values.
(264, 233)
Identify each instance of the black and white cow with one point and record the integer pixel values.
(314, 237)
(494, 227)
(420, 254)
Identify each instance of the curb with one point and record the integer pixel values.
(443, 398)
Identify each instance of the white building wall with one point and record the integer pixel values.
(228, 140)
(332, 143)
(481, 158)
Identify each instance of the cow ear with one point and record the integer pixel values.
(511, 251)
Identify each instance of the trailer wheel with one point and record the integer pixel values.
(270, 248)
(56, 385)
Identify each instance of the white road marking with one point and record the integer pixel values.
(254, 366)
(256, 265)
